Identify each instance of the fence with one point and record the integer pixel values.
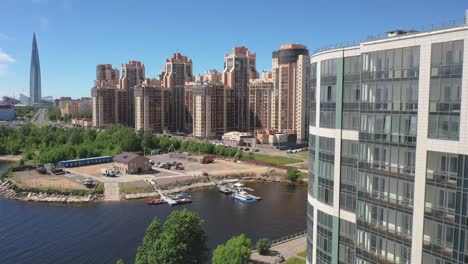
(284, 239)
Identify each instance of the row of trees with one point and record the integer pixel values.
(182, 239)
(52, 144)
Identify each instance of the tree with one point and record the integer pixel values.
(146, 253)
(263, 246)
(293, 174)
(120, 261)
(237, 250)
(182, 240)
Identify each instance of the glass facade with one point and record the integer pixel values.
(376, 95)
(313, 100)
(324, 238)
(445, 90)
(326, 170)
(328, 80)
(310, 232)
(446, 209)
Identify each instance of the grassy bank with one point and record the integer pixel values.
(275, 159)
(70, 192)
(295, 260)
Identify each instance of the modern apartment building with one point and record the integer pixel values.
(151, 106)
(75, 107)
(177, 71)
(388, 179)
(291, 79)
(105, 72)
(260, 98)
(239, 68)
(108, 104)
(208, 110)
(133, 74)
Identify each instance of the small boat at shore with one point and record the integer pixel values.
(182, 198)
(243, 196)
(225, 189)
(154, 201)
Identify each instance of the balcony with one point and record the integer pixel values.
(398, 202)
(446, 214)
(385, 232)
(444, 178)
(438, 246)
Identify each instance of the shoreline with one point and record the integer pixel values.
(7, 191)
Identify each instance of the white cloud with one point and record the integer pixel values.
(5, 60)
(44, 23)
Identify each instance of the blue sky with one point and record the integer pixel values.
(75, 35)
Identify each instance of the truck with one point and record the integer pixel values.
(207, 159)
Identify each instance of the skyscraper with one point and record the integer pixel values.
(239, 68)
(35, 75)
(291, 79)
(177, 71)
(133, 74)
(388, 177)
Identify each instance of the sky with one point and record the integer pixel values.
(75, 35)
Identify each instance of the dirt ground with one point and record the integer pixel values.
(33, 179)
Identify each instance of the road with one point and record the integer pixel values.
(40, 117)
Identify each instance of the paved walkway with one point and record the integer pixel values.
(111, 191)
(287, 249)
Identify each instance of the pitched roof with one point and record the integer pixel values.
(125, 157)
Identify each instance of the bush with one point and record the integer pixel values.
(237, 250)
(263, 246)
(293, 174)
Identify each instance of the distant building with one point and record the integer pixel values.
(177, 71)
(10, 100)
(151, 106)
(82, 122)
(291, 78)
(130, 163)
(239, 68)
(133, 74)
(7, 113)
(260, 98)
(105, 72)
(75, 107)
(208, 110)
(281, 140)
(35, 75)
(236, 138)
(108, 104)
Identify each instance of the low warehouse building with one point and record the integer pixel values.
(130, 163)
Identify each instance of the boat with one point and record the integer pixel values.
(243, 196)
(238, 185)
(184, 201)
(224, 189)
(155, 201)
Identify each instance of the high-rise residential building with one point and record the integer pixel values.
(209, 109)
(177, 71)
(105, 72)
(108, 104)
(291, 79)
(151, 106)
(388, 177)
(35, 75)
(133, 74)
(239, 68)
(260, 98)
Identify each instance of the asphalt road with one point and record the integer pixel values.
(40, 117)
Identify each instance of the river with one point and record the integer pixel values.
(105, 232)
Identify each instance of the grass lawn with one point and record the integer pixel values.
(275, 159)
(303, 154)
(294, 260)
(303, 175)
(302, 254)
